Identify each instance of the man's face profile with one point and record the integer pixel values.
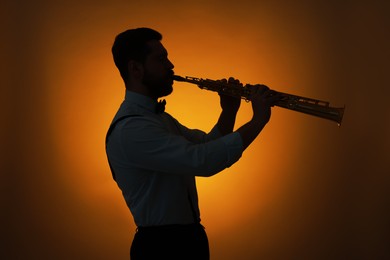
(158, 70)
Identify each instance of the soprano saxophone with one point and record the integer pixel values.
(305, 105)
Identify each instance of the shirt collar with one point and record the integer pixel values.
(140, 100)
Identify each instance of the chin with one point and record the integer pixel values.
(167, 92)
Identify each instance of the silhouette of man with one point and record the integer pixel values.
(154, 159)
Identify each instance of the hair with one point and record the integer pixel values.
(132, 45)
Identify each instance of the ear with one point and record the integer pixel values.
(135, 69)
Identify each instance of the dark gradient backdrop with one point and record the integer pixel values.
(305, 189)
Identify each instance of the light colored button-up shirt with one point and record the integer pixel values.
(155, 160)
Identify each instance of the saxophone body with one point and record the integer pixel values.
(309, 106)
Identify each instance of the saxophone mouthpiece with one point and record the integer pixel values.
(178, 78)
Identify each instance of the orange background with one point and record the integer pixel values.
(305, 189)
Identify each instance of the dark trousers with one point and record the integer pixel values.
(170, 242)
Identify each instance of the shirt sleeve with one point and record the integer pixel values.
(147, 144)
(197, 136)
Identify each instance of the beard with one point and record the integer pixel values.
(159, 86)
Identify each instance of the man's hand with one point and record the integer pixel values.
(230, 106)
(228, 103)
(262, 99)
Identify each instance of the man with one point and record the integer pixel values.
(154, 159)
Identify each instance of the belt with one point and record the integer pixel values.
(169, 227)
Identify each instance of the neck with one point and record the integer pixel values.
(140, 89)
